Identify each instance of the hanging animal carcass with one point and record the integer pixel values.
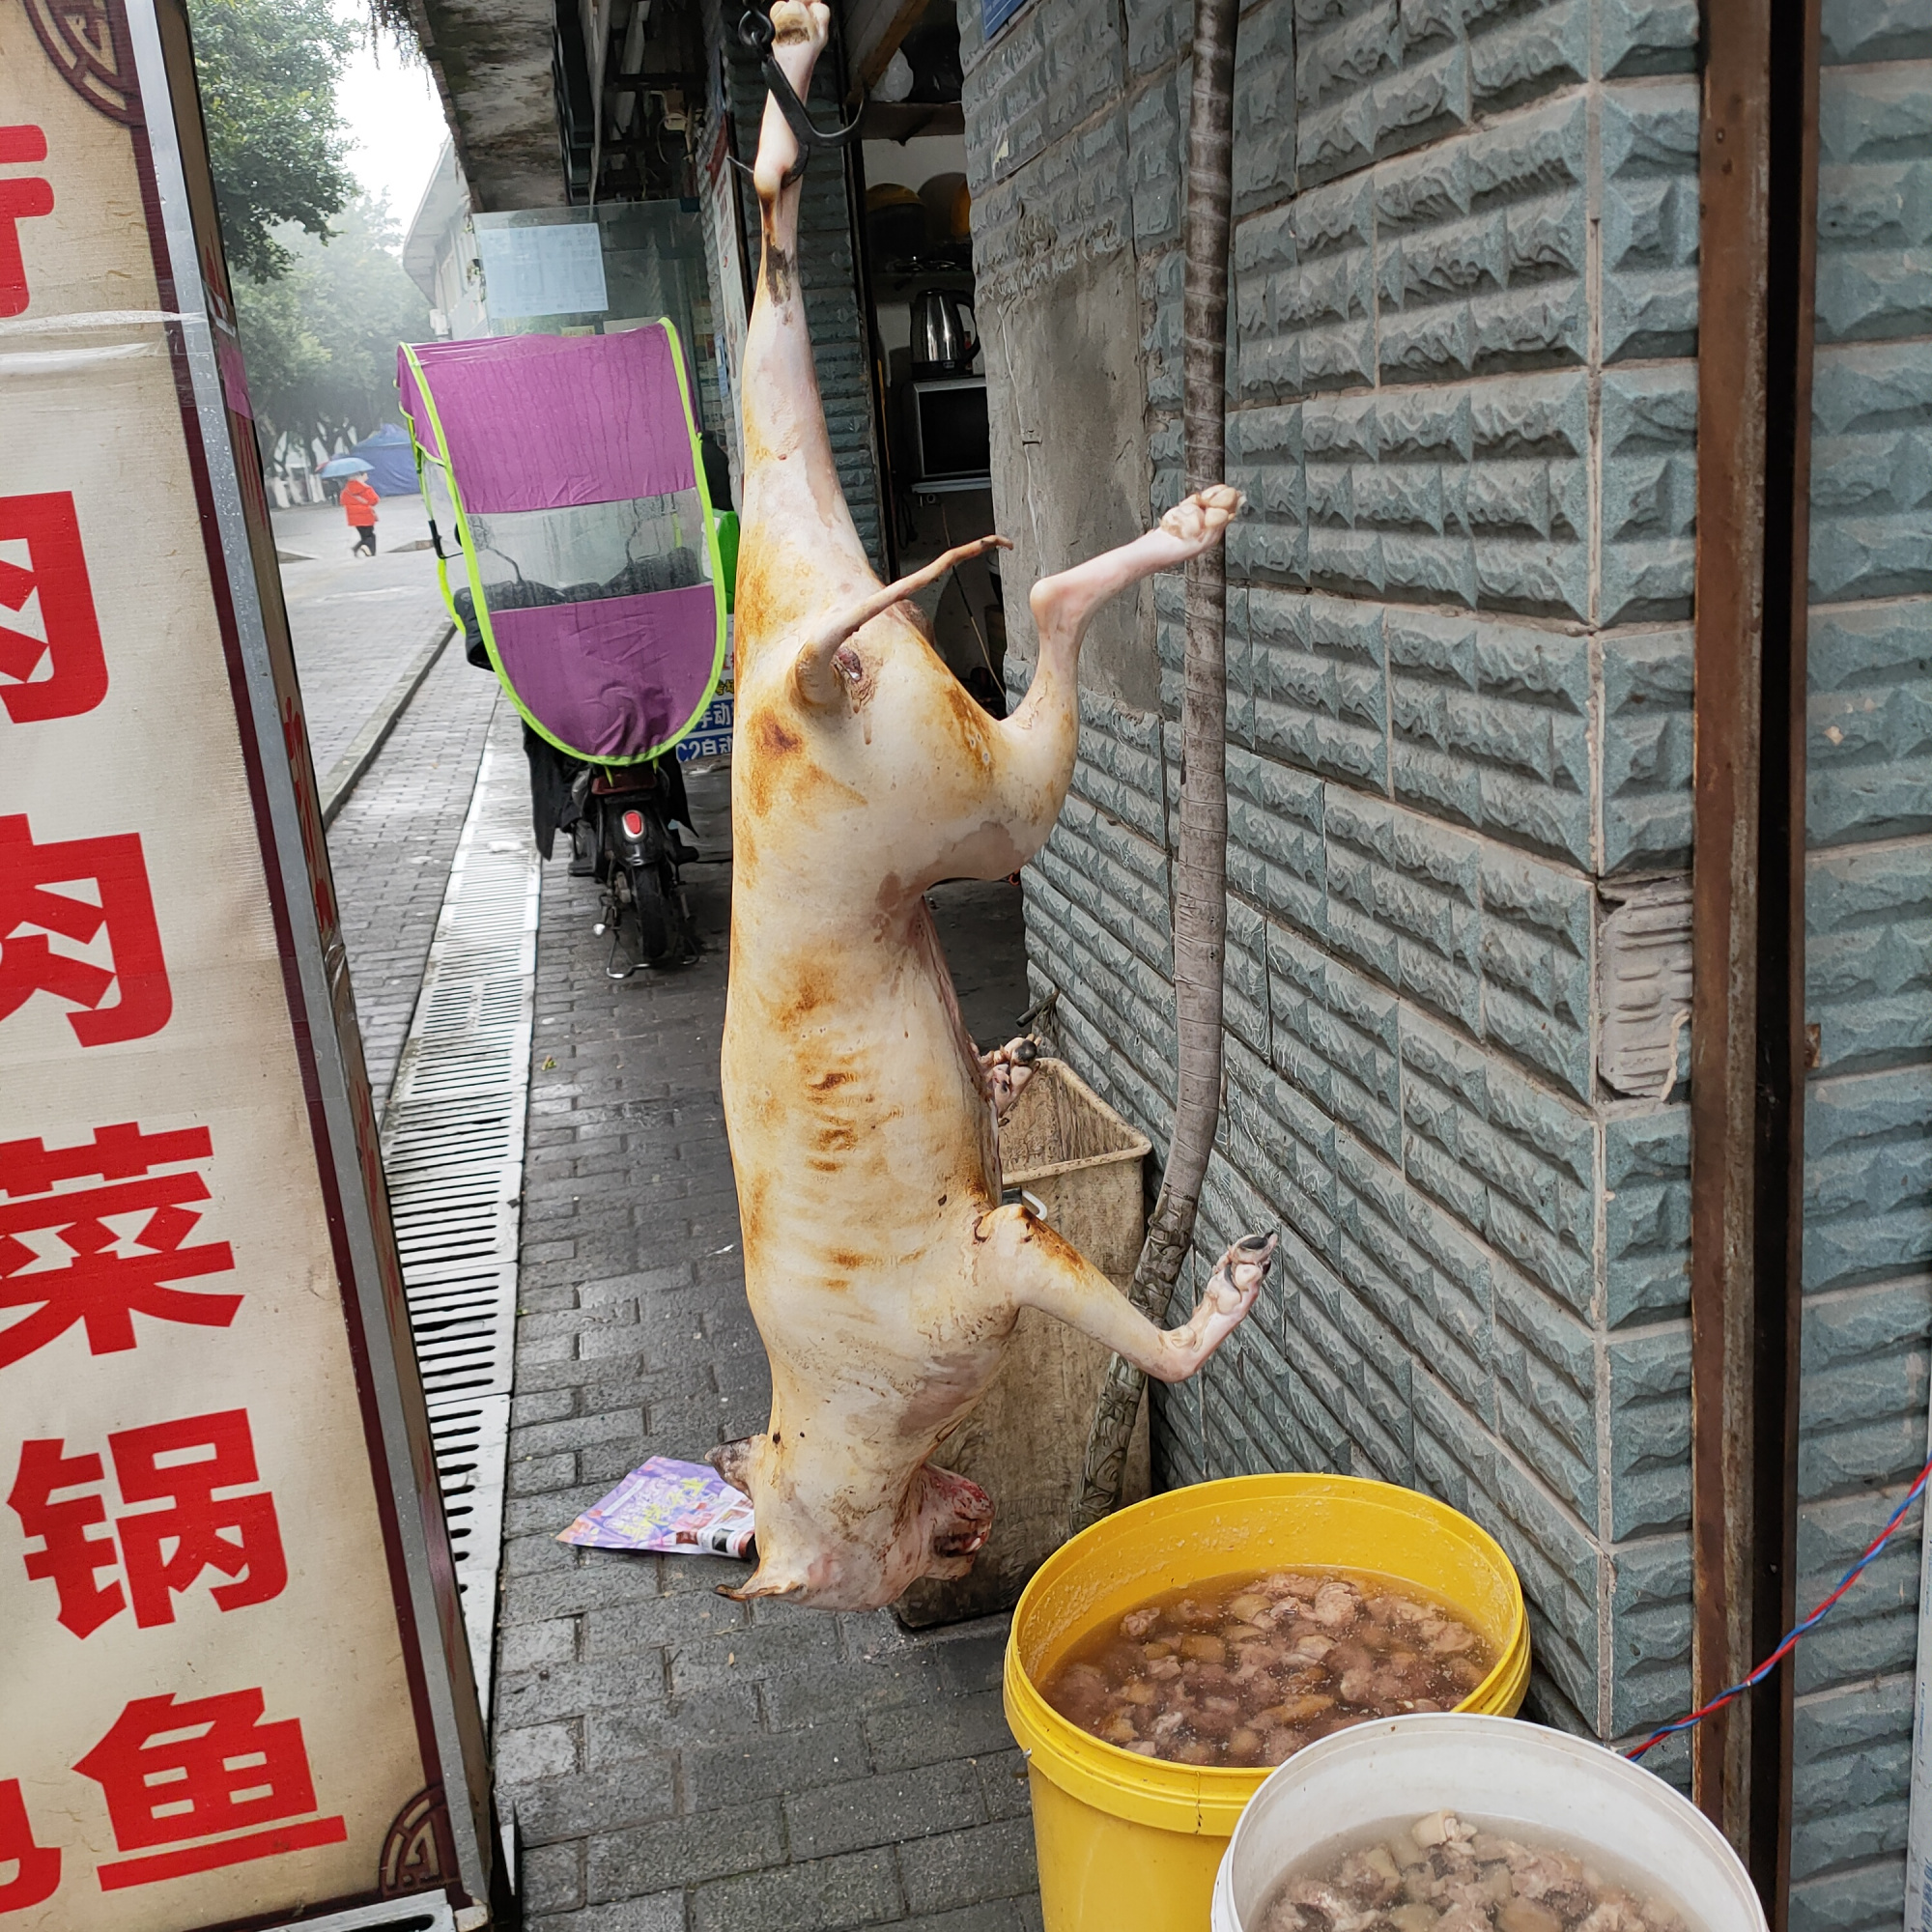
(883, 1272)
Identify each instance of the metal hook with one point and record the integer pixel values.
(755, 35)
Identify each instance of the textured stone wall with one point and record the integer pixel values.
(1868, 907)
(828, 273)
(1463, 407)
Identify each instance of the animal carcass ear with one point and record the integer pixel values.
(755, 1588)
(734, 1462)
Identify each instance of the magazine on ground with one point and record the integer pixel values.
(686, 1507)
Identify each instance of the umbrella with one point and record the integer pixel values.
(345, 466)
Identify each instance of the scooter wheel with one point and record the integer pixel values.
(652, 912)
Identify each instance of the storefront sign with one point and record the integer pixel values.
(233, 1681)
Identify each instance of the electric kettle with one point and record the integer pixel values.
(942, 342)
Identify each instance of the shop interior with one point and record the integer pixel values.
(930, 372)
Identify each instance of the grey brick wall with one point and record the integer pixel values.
(1868, 907)
(828, 270)
(1459, 672)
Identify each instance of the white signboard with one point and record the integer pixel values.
(234, 1683)
(557, 270)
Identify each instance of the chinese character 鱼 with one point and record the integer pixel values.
(173, 1771)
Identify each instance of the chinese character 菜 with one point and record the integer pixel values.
(176, 1770)
(113, 866)
(163, 1552)
(52, 593)
(63, 1262)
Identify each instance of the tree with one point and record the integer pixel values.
(1201, 859)
(276, 143)
(320, 338)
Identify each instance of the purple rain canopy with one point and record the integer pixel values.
(574, 466)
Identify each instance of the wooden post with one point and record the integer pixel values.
(1758, 175)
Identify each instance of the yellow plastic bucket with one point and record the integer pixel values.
(1125, 1840)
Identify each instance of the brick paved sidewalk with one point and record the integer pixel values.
(676, 1762)
(391, 847)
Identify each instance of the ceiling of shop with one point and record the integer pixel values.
(491, 62)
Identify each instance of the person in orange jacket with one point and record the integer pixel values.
(358, 504)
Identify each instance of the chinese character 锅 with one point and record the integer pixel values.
(162, 1550)
(178, 1769)
(22, 197)
(56, 621)
(114, 868)
(64, 1259)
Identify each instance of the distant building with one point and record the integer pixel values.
(439, 252)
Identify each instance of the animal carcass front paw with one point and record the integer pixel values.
(1224, 1305)
(1007, 1069)
(1199, 519)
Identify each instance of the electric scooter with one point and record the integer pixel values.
(632, 834)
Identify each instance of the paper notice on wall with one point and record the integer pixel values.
(554, 269)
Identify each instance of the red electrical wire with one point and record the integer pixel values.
(1797, 1630)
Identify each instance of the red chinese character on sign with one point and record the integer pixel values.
(63, 1262)
(69, 1555)
(21, 199)
(163, 1552)
(181, 1465)
(66, 633)
(123, 907)
(38, 1866)
(173, 1771)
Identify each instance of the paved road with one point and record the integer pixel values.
(356, 622)
(679, 1763)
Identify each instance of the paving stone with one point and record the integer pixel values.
(661, 1912)
(959, 1727)
(551, 1809)
(965, 1868)
(753, 1766)
(550, 1878)
(884, 1810)
(761, 1765)
(683, 1851)
(1000, 1914)
(860, 1888)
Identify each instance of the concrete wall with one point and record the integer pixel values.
(1458, 732)
(1463, 404)
(1868, 1182)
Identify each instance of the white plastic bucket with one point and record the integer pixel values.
(1493, 1769)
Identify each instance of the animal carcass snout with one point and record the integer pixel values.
(957, 1518)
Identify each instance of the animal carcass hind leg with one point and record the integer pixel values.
(1038, 1269)
(1042, 737)
(1007, 1069)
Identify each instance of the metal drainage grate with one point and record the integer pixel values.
(453, 1155)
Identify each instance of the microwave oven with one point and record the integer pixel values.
(947, 442)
